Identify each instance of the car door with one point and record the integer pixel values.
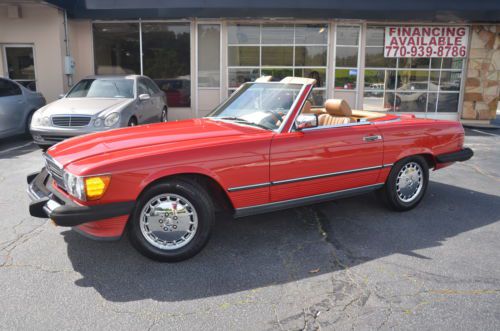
(324, 159)
(146, 107)
(12, 107)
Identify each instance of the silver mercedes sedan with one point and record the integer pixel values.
(99, 103)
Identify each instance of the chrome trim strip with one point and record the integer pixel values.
(337, 126)
(300, 179)
(279, 205)
(248, 187)
(332, 174)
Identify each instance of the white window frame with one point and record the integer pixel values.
(6, 65)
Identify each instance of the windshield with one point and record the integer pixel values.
(259, 104)
(103, 88)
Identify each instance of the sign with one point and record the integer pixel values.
(426, 41)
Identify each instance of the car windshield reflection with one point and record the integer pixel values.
(263, 105)
(103, 88)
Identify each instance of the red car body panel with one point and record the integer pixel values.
(238, 156)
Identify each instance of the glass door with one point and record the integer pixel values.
(208, 64)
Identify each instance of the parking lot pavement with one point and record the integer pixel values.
(348, 264)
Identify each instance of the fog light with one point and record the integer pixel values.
(95, 187)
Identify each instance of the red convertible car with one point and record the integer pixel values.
(264, 149)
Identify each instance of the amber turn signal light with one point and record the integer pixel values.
(96, 186)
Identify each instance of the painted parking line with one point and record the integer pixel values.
(486, 133)
(15, 148)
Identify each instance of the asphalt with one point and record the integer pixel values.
(349, 264)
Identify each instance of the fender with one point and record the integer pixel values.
(172, 171)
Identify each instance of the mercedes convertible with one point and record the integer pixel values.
(265, 148)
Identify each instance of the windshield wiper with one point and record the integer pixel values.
(244, 121)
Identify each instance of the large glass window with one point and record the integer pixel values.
(166, 55)
(167, 59)
(408, 84)
(21, 65)
(278, 50)
(116, 48)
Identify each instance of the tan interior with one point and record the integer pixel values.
(338, 112)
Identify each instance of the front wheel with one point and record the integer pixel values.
(172, 221)
(164, 115)
(406, 184)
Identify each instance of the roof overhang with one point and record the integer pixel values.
(445, 11)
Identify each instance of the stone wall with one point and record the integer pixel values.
(482, 87)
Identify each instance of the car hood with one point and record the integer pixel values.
(152, 137)
(83, 106)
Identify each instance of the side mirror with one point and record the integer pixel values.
(145, 96)
(61, 96)
(305, 121)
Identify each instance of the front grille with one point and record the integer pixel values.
(71, 120)
(54, 170)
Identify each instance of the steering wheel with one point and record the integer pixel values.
(276, 115)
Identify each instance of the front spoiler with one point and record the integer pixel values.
(47, 202)
(462, 155)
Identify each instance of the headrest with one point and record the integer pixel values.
(307, 107)
(338, 107)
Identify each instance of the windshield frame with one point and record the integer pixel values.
(134, 87)
(285, 119)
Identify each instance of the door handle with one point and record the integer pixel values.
(372, 138)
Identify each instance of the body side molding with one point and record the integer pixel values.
(279, 205)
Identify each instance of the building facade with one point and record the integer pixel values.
(422, 58)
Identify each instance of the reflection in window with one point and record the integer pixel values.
(166, 59)
(243, 56)
(277, 56)
(345, 79)
(278, 50)
(116, 48)
(243, 75)
(21, 65)
(413, 84)
(447, 102)
(310, 56)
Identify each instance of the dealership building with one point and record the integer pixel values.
(437, 59)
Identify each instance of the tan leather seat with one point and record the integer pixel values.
(338, 112)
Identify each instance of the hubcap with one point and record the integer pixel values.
(168, 221)
(409, 182)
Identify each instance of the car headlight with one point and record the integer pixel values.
(86, 188)
(98, 122)
(39, 120)
(45, 121)
(111, 119)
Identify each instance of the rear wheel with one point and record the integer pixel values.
(407, 183)
(172, 221)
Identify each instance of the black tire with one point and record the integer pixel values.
(132, 121)
(389, 193)
(164, 115)
(203, 206)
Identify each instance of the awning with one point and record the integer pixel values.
(379, 10)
